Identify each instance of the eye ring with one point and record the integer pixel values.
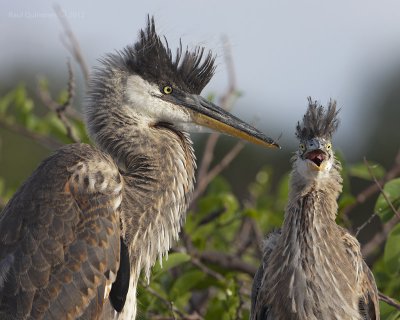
(302, 147)
(328, 146)
(167, 89)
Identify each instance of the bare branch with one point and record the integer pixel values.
(67, 105)
(61, 110)
(238, 315)
(227, 261)
(226, 160)
(72, 44)
(373, 188)
(390, 204)
(168, 303)
(244, 236)
(360, 228)
(379, 238)
(45, 141)
(226, 102)
(390, 301)
(207, 270)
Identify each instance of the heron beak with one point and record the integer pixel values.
(316, 160)
(207, 114)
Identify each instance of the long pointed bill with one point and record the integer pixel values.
(207, 114)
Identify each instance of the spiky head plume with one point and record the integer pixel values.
(318, 122)
(151, 58)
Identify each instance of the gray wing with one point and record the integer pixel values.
(60, 238)
(259, 309)
(369, 301)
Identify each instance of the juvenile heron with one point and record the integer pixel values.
(76, 235)
(312, 269)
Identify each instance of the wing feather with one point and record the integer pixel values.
(60, 238)
(259, 309)
(368, 302)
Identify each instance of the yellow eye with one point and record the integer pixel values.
(328, 146)
(302, 147)
(167, 89)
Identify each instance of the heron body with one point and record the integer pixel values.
(312, 268)
(78, 233)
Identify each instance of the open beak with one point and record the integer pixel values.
(316, 159)
(207, 114)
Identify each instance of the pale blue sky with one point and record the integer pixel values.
(283, 51)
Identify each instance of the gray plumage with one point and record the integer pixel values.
(312, 268)
(78, 233)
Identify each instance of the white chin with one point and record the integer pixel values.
(309, 170)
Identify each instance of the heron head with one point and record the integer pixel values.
(161, 88)
(315, 157)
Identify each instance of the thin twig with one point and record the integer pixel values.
(390, 301)
(168, 303)
(241, 300)
(365, 194)
(52, 105)
(381, 189)
(212, 216)
(207, 270)
(226, 102)
(72, 44)
(360, 228)
(45, 141)
(226, 160)
(244, 237)
(61, 109)
(227, 261)
(379, 238)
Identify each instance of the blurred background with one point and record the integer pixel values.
(283, 52)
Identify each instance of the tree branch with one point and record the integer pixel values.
(390, 301)
(365, 194)
(381, 236)
(72, 44)
(174, 310)
(227, 261)
(46, 141)
(226, 102)
(226, 160)
(61, 110)
(381, 189)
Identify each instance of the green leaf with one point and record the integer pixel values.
(388, 312)
(391, 255)
(360, 170)
(174, 259)
(186, 282)
(392, 192)
(346, 200)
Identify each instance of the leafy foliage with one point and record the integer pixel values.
(208, 274)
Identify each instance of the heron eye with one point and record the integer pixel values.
(302, 147)
(167, 89)
(328, 146)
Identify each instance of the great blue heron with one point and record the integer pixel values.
(312, 269)
(79, 231)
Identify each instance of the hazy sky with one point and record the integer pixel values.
(283, 51)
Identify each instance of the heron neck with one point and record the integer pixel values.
(157, 164)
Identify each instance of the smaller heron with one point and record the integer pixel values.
(312, 269)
